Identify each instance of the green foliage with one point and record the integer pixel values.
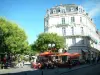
(13, 38)
(48, 38)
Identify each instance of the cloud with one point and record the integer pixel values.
(92, 7)
(94, 11)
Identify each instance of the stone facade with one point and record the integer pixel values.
(72, 22)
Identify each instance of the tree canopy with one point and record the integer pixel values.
(48, 38)
(12, 38)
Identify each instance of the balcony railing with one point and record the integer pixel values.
(62, 25)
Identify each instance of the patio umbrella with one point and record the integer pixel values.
(46, 54)
(75, 55)
(65, 54)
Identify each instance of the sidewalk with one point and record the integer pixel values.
(15, 70)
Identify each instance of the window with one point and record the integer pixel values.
(79, 9)
(54, 11)
(63, 20)
(72, 29)
(72, 19)
(59, 10)
(64, 31)
(46, 29)
(83, 41)
(73, 41)
(82, 30)
(51, 12)
(46, 22)
(72, 9)
(80, 19)
(63, 11)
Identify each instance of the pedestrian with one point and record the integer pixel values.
(92, 60)
(23, 62)
(69, 63)
(96, 59)
(4, 62)
(19, 61)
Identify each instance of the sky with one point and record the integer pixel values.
(29, 14)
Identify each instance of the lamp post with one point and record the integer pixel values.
(51, 46)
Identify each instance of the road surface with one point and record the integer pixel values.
(92, 70)
(85, 70)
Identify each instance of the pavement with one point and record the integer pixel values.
(26, 70)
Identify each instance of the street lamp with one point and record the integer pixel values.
(51, 46)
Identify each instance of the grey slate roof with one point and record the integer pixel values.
(67, 8)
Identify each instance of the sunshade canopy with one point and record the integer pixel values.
(64, 54)
(46, 54)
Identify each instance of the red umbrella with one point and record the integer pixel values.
(46, 54)
(65, 54)
(75, 55)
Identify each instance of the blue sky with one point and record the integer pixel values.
(29, 14)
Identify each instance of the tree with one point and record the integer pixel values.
(13, 38)
(48, 38)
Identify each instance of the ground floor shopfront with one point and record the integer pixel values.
(84, 51)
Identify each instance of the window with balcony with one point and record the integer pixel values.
(72, 19)
(72, 29)
(64, 31)
(73, 40)
(80, 19)
(63, 20)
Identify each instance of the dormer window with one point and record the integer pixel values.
(80, 9)
(51, 12)
(59, 10)
(72, 9)
(63, 11)
(54, 11)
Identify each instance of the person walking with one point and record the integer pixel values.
(96, 59)
(4, 62)
(69, 63)
(91, 60)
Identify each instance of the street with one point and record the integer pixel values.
(92, 70)
(88, 70)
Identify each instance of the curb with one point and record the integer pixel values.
(78, 68)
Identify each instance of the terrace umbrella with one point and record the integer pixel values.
(46, 54)
(65, 54)
(75, 55)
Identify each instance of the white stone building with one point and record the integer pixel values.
(72, 22)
